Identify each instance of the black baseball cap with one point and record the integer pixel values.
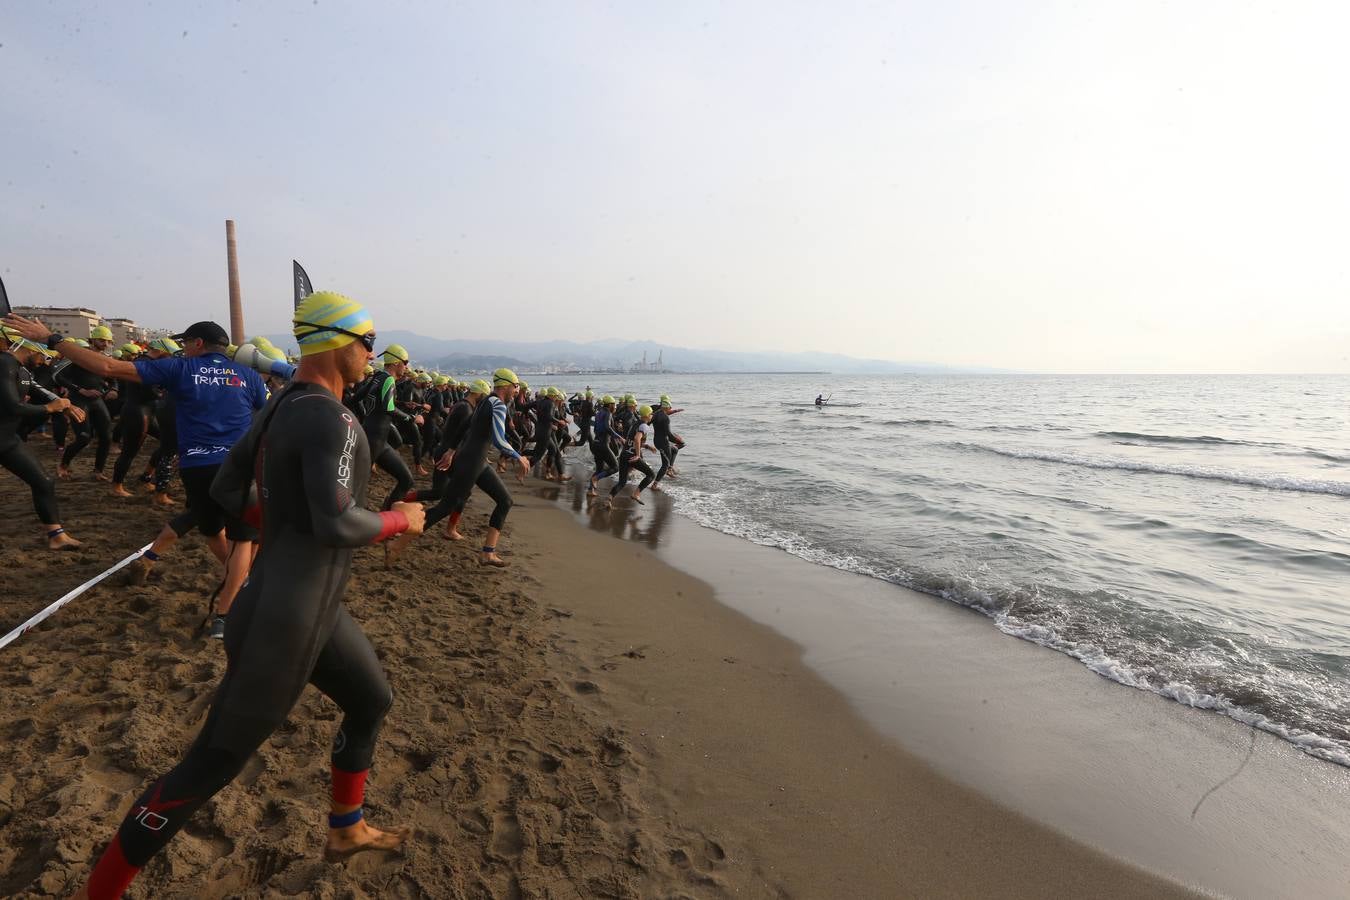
(205, 331)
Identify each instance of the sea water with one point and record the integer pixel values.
(1187, 535)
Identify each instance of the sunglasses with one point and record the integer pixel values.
(367, 340)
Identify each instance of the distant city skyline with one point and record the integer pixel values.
(1051, 187)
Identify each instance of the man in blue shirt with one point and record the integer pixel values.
(215, 400)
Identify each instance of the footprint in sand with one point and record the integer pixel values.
(507, 839)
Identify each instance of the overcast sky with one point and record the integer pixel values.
(1109, 187)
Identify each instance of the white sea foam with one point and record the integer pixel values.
(1271, 481)
(712, 510)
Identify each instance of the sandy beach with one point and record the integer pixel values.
(589, 723)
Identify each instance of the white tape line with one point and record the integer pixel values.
(17, 632)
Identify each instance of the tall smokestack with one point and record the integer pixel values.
(237, 335)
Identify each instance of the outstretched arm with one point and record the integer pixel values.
(89, 360)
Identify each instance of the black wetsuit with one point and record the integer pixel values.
(631, 458)
(585, 416)
(40, 388)
(543, 429)
(452, 435)
(97, 423)
(288, 627)
(664, 445)
(602, 445)
(377, 394)
(409, 397)
(162, 460)
(138, 403)
(487, 428)
(14, 454)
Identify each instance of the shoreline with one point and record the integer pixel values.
(1188, 793)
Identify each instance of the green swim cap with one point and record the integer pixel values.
(665, 400)
(394, 353)
(589, 393)
(271, 352)
(480, 387)
(165, 345)
(100, 333)
(81, 342)
(130, 349)
(607, 400)
(644, 411)
(524, 385)
(506, 376)
(260, 342)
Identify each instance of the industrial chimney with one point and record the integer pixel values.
(237, 335)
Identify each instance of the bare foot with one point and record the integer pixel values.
(492, 559)
(62, 472)
(163, 500)
(422, 470)
(452, 534)
(119, 491)
(138, 573)
(148, 487)
(62, 542)
(393, 548)
(343, 842)
(99, 476)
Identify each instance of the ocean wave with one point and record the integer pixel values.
(1271, 481)
(1174, 438)
(946, 423)
(938, 423)
(1031, 617)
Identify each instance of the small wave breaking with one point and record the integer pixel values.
(1272, 481)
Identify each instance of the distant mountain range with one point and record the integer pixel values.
(609, 355)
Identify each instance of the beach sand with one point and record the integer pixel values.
(589, 723)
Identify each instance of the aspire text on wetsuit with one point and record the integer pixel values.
(287, 628)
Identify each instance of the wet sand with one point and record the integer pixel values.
(589, 723)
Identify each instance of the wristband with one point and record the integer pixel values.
(53, 339)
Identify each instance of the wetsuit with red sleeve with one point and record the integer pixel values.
(288, 627)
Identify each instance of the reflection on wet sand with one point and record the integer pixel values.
(625, 520)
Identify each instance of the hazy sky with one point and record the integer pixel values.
(1122, 186)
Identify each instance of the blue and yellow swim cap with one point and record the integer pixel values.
(319, 317)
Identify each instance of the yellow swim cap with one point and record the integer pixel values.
(394, 353)
(327, 321)
(100, 333)
(480, 387)
(166, 345)
(12, 337)
(504, 376)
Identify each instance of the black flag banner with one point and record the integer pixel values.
(4, 301)
(302, 286)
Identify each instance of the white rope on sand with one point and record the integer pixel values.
(18, 632)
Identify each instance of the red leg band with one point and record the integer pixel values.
(454, 520)
(112, 874)
(349, 787)
(410, 497)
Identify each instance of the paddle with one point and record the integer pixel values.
(302, 286)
